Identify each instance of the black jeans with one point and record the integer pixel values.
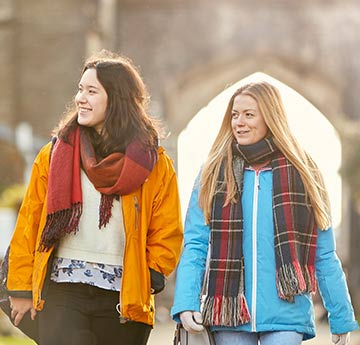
(80, 314)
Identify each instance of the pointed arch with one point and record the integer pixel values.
(190, 91)
(313, 130)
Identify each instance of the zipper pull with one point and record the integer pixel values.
(257, 179)
(137, 210)
(122, 319)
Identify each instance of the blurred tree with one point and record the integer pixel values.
(13, 196)
(12, 165)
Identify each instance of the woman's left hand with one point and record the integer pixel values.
(341, 339)
(19, 307)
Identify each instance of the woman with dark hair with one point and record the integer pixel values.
(258, 235)
(100, 224)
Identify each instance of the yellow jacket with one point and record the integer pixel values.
(153, 232)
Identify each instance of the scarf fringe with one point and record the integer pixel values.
(225, 311)
(310, 277)
(120, 172)
(60, 223)
(106, 204)
(292, 279)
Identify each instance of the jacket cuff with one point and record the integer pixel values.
(19, 293)
(157, 281)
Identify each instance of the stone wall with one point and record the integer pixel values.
(186, 41)
(177, 44)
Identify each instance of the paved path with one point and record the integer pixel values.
(163, 334)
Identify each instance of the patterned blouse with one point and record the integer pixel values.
(77, 271)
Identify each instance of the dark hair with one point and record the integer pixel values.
(126, 112)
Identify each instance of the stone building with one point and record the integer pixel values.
(187, 51)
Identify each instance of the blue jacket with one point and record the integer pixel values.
(268, 312)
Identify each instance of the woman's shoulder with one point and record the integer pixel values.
(46, 149)
(43, 156)
(164, 160)
(163, 170)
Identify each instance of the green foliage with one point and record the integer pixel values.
(12, 165)
(12, 197)
(16, 341)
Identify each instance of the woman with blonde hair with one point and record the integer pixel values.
(258, 235)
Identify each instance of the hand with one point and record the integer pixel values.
(192, 321)
(19, 307)
(341, 339)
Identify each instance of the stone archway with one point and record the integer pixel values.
(198, 86)
(202, 84)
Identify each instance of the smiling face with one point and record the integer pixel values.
(91, 101)
(247, 123)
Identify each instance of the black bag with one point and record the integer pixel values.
(27, 326)
(183, 337)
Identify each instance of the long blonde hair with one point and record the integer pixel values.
(271, 107)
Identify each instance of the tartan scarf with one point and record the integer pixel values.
(116, 174)
(294, 238)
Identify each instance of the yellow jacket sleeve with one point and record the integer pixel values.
(24, 239)
(165, 231)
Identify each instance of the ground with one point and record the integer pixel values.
(163, 334)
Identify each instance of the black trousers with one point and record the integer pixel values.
(80, 314)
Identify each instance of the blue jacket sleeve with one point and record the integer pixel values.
(191, 268)
(332, 285)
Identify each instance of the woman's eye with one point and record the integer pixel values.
(249, 114)
(234, 115)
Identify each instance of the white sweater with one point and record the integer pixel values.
(91, 244)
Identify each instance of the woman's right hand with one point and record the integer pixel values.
(192, 321)
(341, 339)
(19, 307)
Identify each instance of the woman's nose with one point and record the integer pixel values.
(80, 98)
(240, 120)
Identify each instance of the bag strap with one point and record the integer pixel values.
(3, 274)
(53, 141)
(176, 340)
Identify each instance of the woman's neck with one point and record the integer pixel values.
(259, 166)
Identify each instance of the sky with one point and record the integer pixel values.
(312, 129)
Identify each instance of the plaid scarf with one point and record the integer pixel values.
(294, 238)
(116, 174)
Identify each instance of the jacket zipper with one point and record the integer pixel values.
(137, 210)
(254, 251)
(36, 274)
(123, 319)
